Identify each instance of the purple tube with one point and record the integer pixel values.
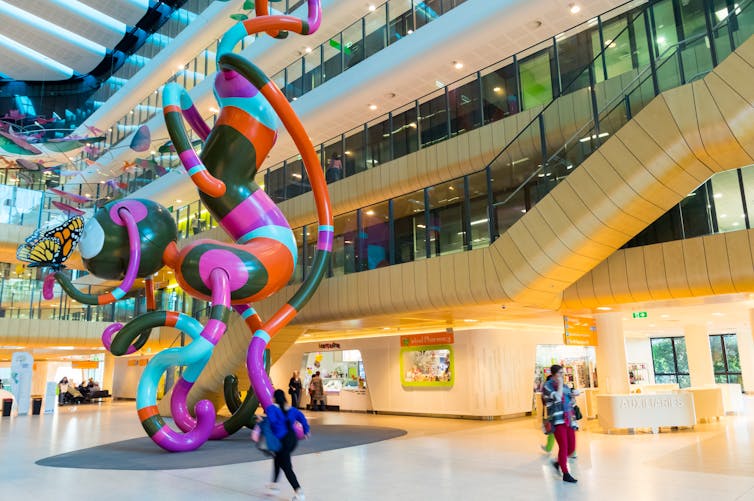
(134, 249)
(107, 337)
(257, 375)
(314, 19)
(192, 440)
(183, 419)
(196, 122)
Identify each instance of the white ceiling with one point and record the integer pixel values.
(47, 40)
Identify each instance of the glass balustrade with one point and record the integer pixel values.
(472, 211)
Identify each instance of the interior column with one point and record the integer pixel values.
(699, 355)
(109, 369)
(612, 366)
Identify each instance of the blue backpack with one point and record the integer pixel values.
(268, 442)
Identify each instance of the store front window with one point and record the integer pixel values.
(578, 362)
(343, 377)
(725, 358)
(670, 362)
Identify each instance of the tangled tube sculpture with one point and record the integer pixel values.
(135, 238)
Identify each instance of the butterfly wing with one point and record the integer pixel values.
(44, 252)
(68, 234)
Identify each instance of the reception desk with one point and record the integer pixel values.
(708, 401)
(646, 411)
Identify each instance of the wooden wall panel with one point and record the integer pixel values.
(714, 264)
(718, 266)
(654, 271)
(636, 272)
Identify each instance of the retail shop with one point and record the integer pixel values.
(343, 377)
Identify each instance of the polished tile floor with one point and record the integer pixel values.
(439, 459)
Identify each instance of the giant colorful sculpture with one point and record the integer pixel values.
(135, 238)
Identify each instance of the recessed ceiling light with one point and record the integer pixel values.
(212, 109)
(575, 9)
(370, 212)
(718, 314)
(308, 50)
(178, 200)
(497, 90)
(153, 152)
(604, 308)
(179, 67)
(372, 107)
(372, 8)
(409, 32)
(665, 315)
(457, 65)
(470, 320)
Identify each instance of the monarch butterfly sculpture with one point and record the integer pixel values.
(51, 247)
(135, 238)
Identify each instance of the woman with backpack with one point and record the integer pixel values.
(282, 418)
(559, 401)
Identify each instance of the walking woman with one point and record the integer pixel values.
(282, 418)
(557, 398)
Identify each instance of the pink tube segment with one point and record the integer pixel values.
(192, 440)
(257, 375)
(181, 415)
(189, 159)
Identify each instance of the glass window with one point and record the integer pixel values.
(666, 229)
(427, 11)
(617, 54)
(375, 31)
(334, 160)
(331, 53)
(574, 58)
(355, 154)
(401, 19)
(312, 69)
(666, 34)
(725, 358)
(353, 44)
(405, 131)
(344, 244)
(670, 360)
(446, 223)
(375, 237)
(295, 184)
(727, 201)
(500, 93)
(696, 220)
(294, 80)
(298, 272)
(410, 228)
(378, 142)
(465, 106)
(536, 79)
(433, 119)
(311, 247)
(479, 216)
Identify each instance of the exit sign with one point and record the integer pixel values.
(640, 314)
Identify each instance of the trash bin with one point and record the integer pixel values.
(36, 406)
(7, 406)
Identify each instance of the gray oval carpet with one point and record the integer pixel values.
(143, 454)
